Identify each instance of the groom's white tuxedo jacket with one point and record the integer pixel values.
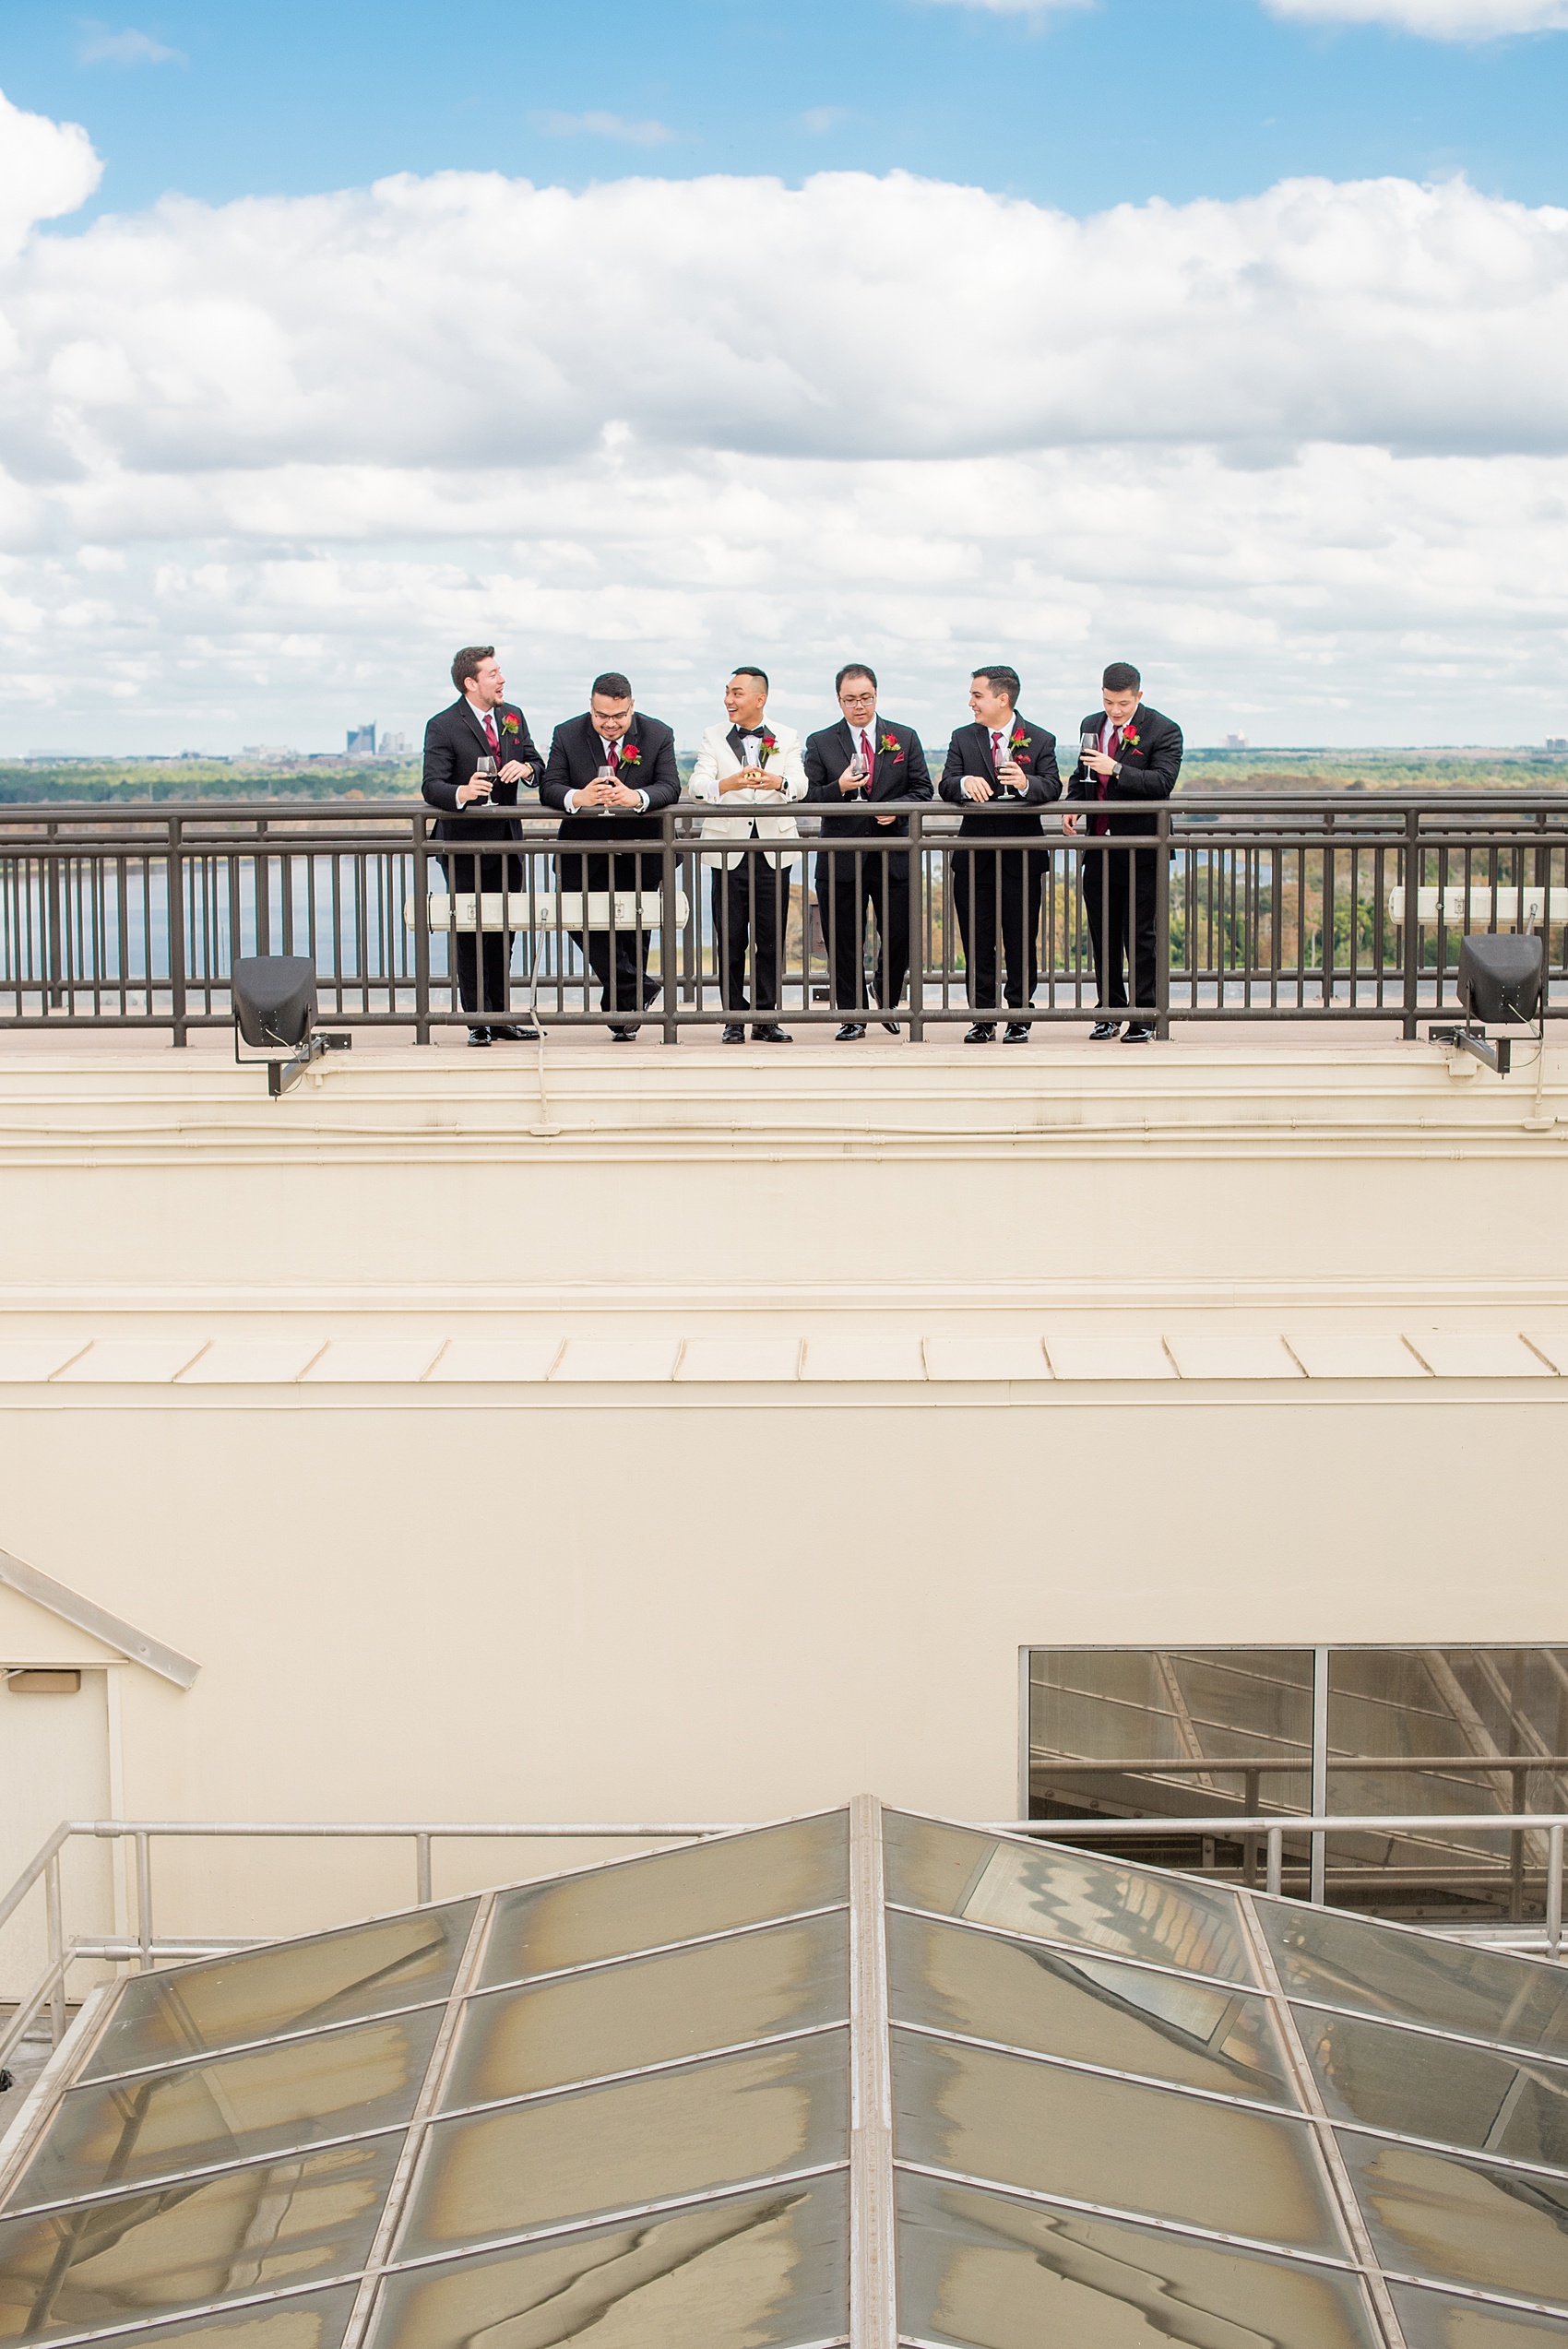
(749, 814)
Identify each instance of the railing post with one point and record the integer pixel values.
(1554, 1890)
(1161, 924)
(1412, 919)
(143, 1900)
(669, 934)
(421, 925)
(56, 1932)
(53, 955)
(422, 1871)
(1276, 1861)
(917, 927)
(175, 884)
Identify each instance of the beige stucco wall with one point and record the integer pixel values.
(644, 1595)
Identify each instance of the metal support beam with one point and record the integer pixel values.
(873, 2313)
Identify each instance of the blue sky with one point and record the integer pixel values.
(1078, 108)
(1226, 336)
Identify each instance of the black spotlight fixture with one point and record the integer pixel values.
(1502, 978)
(275, 1009)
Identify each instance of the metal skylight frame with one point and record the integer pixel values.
(872, 2161)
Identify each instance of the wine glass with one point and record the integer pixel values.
(1087, 741)
(485, 772)
(605, 774)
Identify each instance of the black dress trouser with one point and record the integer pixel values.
(750, 911)
(1120, 900)
(617, 958)
(497, 955)
(850, 887)
(979, 877)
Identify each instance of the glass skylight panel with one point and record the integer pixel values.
(768, 2270)
(979, 2271)
(660, 2136)
(306, 2219)
(1463, 2222)
(296, 1986)
(301, 2320)
(1062, 1895)
(1415, 1977)
(1434, 2320)
(646, 2011)
(1109, 2141)
(1093, 2008)
(232, 2109)
(1429, 2087)
(672, 1896)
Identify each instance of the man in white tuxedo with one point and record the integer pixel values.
(752, 771)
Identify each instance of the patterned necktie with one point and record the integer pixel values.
(491, 736)
(1101, 823)
(996, 753)
(612, 757)
(869, 760)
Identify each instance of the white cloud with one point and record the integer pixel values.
(46, 169)
(1286, 465)
(1438, 19)
(594, 124)
(98, 46)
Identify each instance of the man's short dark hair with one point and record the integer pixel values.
(1002, 681)
(465, 663)
(611, 687)
(853, 669)
(744, 669)
(1121, 678)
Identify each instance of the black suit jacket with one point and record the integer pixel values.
(1149, 768)
(897, 774)
(970, 754)
(648, 756)
(454, 745)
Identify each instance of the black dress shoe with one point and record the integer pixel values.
(980, 1034)
(514, 1035)
(623, 1034)
(770, 1034)
(734, 1034)
(1137, 1033)
(892, 1026)
(852, 1032)
(479, 1036)
(1016, 1032)
(1103, 1030)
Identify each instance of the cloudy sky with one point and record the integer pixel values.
(1226, 336)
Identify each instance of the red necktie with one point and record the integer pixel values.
(996, 753)
(491, 736)
(1101, 823)
(869, 760)
(612, 758)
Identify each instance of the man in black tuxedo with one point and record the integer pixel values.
(1139, 758)
(480, 723)
(609, 771)
(1000, 770)
(863, 759)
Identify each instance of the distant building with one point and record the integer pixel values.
(1236, 742)
(1557, 741)
(395, 746)
(269, 753)
(362, 741)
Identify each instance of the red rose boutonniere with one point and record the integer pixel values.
(629, 754)
(1020, 741)
(770, 745)
(891, 743)
(509, 723)
(1130, 735)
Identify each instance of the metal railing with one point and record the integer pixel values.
(146, 1948)
(1344, 909)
